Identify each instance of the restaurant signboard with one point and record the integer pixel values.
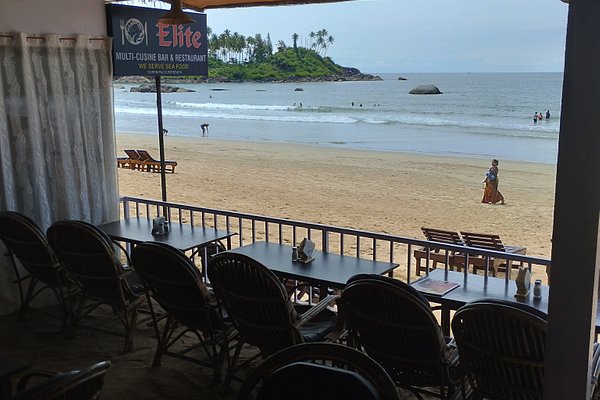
(143, 46)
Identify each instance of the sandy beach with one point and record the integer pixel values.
(389, 192)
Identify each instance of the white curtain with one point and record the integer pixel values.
(57, 143)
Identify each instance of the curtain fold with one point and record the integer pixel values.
(57, 157)
(57, 142)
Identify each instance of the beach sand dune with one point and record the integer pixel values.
(389, 192)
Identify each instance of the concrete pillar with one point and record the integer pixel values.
(573, 294)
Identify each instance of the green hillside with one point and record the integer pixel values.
(287, 64)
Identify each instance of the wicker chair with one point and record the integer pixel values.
(394, 324)
(26, 242)
(85, 384)
(502, 348)
(89, 256)
(261, 310)
(175, 282)
(307, 371)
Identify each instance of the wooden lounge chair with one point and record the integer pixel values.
(151, 165)
(85, 384)
(319, 371)
(489, 242)
(502, 348)
(176, 284)
(260, 308)
(394, 324)
(133, 160)
(89, 256)
(437, 255)
(27, 243)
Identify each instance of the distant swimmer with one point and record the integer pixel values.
(540, 116)
(535, 117)
(204, 128)
(352, 104)
(548, 114)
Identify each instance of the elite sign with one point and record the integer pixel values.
(142, 46)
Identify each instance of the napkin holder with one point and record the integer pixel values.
(160, 226)
(305, 251)
(523, 282)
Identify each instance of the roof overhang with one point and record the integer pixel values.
(201, 5)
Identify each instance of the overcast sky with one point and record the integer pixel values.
(419, 36)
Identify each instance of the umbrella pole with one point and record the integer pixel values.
(161, 143)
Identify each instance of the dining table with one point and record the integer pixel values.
(183, 237)
(327, 270)
(473, 287)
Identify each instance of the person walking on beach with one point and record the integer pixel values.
(491, 194)
(204, 128)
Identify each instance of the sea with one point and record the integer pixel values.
(480, 115)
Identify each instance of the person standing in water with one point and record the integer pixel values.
(535, 117)
(548, 114)
(491, 194)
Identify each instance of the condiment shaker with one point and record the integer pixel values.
(294, 253)
(537, 289)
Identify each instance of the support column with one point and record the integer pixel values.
(573, 294)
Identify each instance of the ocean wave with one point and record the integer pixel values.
(224, 106)
(510, 126)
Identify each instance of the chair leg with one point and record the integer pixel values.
(130, 320)
(231, 369)
(162, 343)
(27, 299)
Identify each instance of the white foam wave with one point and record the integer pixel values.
(223, 106)
(506, 126)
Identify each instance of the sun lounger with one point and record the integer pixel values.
(151, 165)
(132, 160)
(490, 242)
(437, 255)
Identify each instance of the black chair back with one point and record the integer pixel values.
(395, 325)
(319, 371)
(85, 384)
(176, 284)
(502, 347)
(88, 254)
(26, 241)
(256, 301)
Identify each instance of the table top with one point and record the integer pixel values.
(181, 236)
(328, 269)
(474, 287)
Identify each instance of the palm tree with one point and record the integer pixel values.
(295, 39)
(312, 35)
(329, 42)
(281, 45)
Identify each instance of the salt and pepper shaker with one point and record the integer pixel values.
(294, 253)
(537, 289)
